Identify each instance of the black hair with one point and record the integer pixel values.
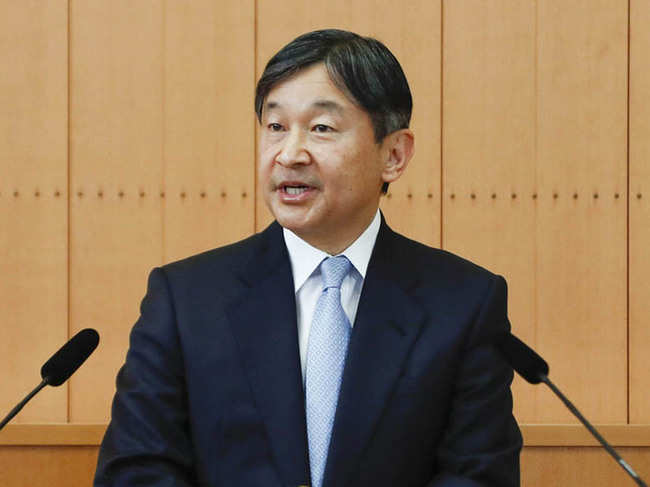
(361, 67)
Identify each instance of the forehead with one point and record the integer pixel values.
(310, 88)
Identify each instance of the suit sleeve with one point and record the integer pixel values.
(482, 442)
(147, 441)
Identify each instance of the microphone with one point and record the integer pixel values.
(523, 359)
(61, 365)
(69, 358)
(534, 369)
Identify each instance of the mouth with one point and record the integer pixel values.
(294, 191)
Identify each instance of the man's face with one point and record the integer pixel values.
(319, 166)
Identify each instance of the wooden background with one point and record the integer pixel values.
(128, 139)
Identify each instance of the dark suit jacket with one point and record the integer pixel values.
(211, 392)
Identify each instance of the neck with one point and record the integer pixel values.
(334, 243)
(331, 248)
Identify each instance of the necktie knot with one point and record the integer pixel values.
(334, 270)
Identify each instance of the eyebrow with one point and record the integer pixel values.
(323, 104)
(328, 105)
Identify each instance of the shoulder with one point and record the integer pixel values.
(441, 281)
(221, 270)
(465, 298)
(229, 256)
(442, 260)
(436, 265)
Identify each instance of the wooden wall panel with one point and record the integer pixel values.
(534, 111)
(581, 150)
(413, 35)
(639, 211)
(33, 205)
(162, 157)
(489, 151)
(116, 160)
(161, 146)
(209, 146)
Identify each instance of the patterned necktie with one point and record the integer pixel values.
(328, 344)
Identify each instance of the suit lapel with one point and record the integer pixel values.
(263, 322)
(387, 324)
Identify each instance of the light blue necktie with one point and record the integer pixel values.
(328, 344)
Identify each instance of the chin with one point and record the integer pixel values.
(297, 223)
(294, 224)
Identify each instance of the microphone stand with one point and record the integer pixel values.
(20, 405)
(544, 378)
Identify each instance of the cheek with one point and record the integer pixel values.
(337, 171)
(359, 167)
(264, 161)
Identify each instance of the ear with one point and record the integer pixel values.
(398, 149)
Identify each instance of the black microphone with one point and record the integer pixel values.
(61, 365)
(69, 358)
(534, 369)
(523, 359)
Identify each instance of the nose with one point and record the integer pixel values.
(293, 150)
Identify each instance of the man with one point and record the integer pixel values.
(327, 350)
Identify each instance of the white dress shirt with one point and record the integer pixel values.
(305, 266)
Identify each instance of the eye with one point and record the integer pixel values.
(274, 127)
(321, 128)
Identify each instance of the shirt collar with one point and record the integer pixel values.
(305, 258)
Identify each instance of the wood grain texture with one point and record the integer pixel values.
(534, 435)
(209, 146)
(49, 466)
(534, 112)
(581, 279)
(162, 157)
(116, 164)
(412, 33)
(489, 105)
(639, 212)
(65, 434)
(33, 204)
(580, 466)
(577, 435)
(161, 147)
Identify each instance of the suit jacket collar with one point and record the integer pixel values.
(264, 324)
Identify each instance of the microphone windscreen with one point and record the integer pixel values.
(523, 359)
(70, 357)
